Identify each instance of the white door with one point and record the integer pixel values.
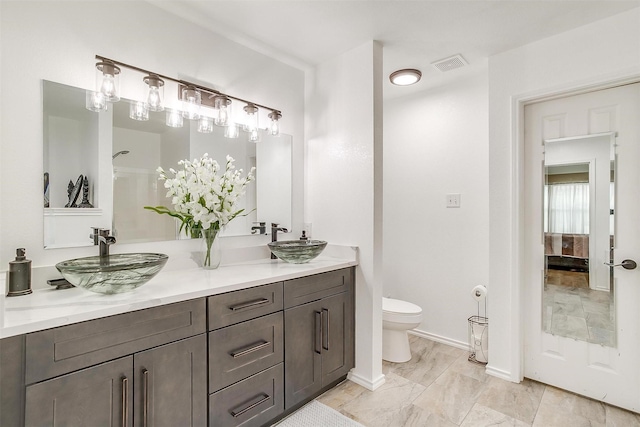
(580, 335)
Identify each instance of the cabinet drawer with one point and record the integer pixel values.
(241, 350)
(318, 286)
(251, 402)
(235, 307)
(61, 350)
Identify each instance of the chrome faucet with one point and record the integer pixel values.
(274, 235)
(102, 239)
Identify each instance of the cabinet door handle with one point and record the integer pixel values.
(145, 397)
(250, 349)
(125, 401)
(325, 328)
(318, 334)
(261, 398)
(249, 304)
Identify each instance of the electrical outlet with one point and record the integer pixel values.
(453, 200)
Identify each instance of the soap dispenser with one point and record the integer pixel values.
(19, 275)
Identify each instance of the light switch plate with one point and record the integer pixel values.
(453, 200)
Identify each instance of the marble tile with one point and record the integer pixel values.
(602, 321)
(408, 416)
(595, 306)
(567, 298)
(425, 366)
(602, 336)
(482, 416)
(519, 401)
(575, 327)
(556, 403)
(381, 407)
(451, 396)
(616, 417)
(470, 369)
(344, 392)
(569, 309)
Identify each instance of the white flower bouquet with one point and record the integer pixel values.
(204, 200)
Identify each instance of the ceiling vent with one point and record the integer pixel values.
(450, 63)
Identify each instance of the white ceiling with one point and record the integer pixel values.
(414, 33)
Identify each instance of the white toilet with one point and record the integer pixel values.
(397, 318)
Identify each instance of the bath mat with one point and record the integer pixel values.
(315, 414)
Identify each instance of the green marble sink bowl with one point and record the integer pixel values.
(112, 274)
(297, 251)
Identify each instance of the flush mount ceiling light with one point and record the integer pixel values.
(191, 96)
(405, 77)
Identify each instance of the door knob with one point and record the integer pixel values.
(627, 264)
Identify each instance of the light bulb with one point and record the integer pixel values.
(254, 136)
(191, 100)
(231, 131)
(155, 95)
(251, 121)
(205, 124)
(108, 80)
(174, 119)
(96, 101)
(274, 126)
(222, 104)
(138, 111)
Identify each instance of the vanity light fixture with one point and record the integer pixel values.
(108, 80)
(174, 119)
(96, 102)
(155, 94)
(405, 77)
(194, 98)
(222, 105)
(138, 111)
(205, 124)
(191, 98)
(274, 126)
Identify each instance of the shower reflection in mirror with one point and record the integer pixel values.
(578, 238)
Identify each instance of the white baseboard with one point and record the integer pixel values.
(444, 340)
(499, 373)
(365, 382)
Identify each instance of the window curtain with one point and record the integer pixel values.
(566, 208)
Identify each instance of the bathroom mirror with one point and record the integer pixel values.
(119, 156)
(579, 229)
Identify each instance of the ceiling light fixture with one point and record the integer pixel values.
(193, 97)
(405, 77)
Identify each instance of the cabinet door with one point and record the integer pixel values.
(303, 352)
(171, 384)
(337, 337)
(97, 396)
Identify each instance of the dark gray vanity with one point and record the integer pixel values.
(246, 357)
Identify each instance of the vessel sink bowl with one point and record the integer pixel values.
(297, 251)
(112, 274)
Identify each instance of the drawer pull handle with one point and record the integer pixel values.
(145, 392)
(249, 304)
(318, 333)
(325, 329)
(261, 398)
(250, 349)
(125, 401)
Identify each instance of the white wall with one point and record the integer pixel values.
(435, 143)
(603, 51)
(57, 41)
(344, 176)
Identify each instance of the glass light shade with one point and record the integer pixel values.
(231, 131)
(174, 119)
(254, 135)
(274, 126)
(205, 124)
(191, 100)
(405, 77)
(251, 119)
(108, 80)
(138, 111)
(96, 101)
(222, 104)
(155, 93)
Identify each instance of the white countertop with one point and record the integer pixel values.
(49, 308)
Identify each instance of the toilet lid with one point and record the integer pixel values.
(391, 305)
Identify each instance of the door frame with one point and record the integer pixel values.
(516, 200)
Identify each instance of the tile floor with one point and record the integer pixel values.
(439, 387)
(573, 310)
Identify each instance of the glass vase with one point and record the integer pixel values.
(210, 249)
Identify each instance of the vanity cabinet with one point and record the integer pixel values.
(319, 333)
(141, 368)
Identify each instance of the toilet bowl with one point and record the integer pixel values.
(397, 318)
